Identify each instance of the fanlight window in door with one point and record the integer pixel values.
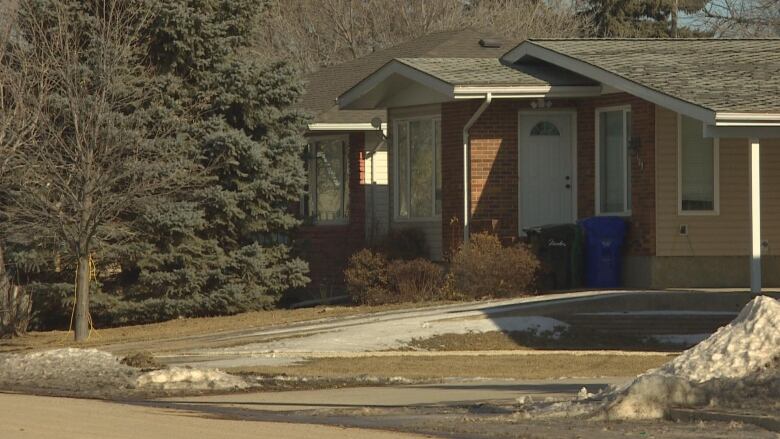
(545, 128)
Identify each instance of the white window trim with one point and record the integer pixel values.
(597, 149)
(313, 193)
(396, 185)
(716, 176)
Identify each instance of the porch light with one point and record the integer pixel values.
(541, 103)
(376, 123)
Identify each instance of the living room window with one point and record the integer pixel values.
(613, 162)
(697, 168)
(417, 168)
(327, 166)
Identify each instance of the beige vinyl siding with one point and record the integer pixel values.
(431, 228)
(377, 202)
(728, 233)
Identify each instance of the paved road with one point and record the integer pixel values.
(35, 417)
(450, 393)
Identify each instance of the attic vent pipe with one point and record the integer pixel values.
(490, 42)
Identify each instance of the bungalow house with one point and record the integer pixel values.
(347, 203)
(679, 137)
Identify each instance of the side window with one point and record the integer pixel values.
(697, 161)
(613, 161)
(327, 169)
(417, 168)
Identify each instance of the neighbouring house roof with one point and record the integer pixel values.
(482, 71)
(325, 85)
(720, 75)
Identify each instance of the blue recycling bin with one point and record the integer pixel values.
(604, 238)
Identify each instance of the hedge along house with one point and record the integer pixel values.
(680, 137)
(346, 206)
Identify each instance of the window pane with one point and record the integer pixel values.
(629, 157)
(698, 167)
(437, 143)
(612, 162)
(545, 128)
(422, 160)
(402, 149)
(331, 178)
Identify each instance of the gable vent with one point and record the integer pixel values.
(489, 42)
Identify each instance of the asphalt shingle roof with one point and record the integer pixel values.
(481, 71)
(325, 85)
(717, 74)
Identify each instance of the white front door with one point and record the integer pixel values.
(546, 171)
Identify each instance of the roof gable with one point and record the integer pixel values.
(706, 78)
(325, 85)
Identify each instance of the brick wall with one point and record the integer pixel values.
(641, 237)
(328, 247)
(494, 170)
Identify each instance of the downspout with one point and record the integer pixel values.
(466, 128)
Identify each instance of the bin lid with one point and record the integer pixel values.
(604, 226)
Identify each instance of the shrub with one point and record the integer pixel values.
(406, 244)
(372, 280)
(415, 280)
(484, 267)
(366, 278)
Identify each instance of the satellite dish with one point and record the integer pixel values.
(376, 123)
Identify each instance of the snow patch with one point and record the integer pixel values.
(92, 370)
(183, 378)
(68, 369)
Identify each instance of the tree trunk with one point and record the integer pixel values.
(81, 325)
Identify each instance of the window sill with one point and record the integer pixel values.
(620, 214)
(428, 219)
(698, 213)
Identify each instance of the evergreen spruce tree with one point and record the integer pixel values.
(640, 18)
(221, 247)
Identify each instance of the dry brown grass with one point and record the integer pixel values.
(503, 366)
(193, 327)
(510, 341)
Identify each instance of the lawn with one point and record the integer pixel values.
(192, 327)
(542, 366)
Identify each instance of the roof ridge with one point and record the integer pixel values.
(656, 39)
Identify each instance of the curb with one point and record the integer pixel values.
(768, 422)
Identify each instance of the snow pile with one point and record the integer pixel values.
(737, 363)
(749, 342)
(745, 347)
(66, 369)
(183, 378)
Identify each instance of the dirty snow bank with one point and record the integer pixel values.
(94, 371)
(737, 363)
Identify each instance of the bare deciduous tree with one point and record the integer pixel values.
(741, 18)
(95, 158)
(315, 33)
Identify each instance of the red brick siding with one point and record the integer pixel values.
(328, 247)
(494, 175)
(641, 238)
